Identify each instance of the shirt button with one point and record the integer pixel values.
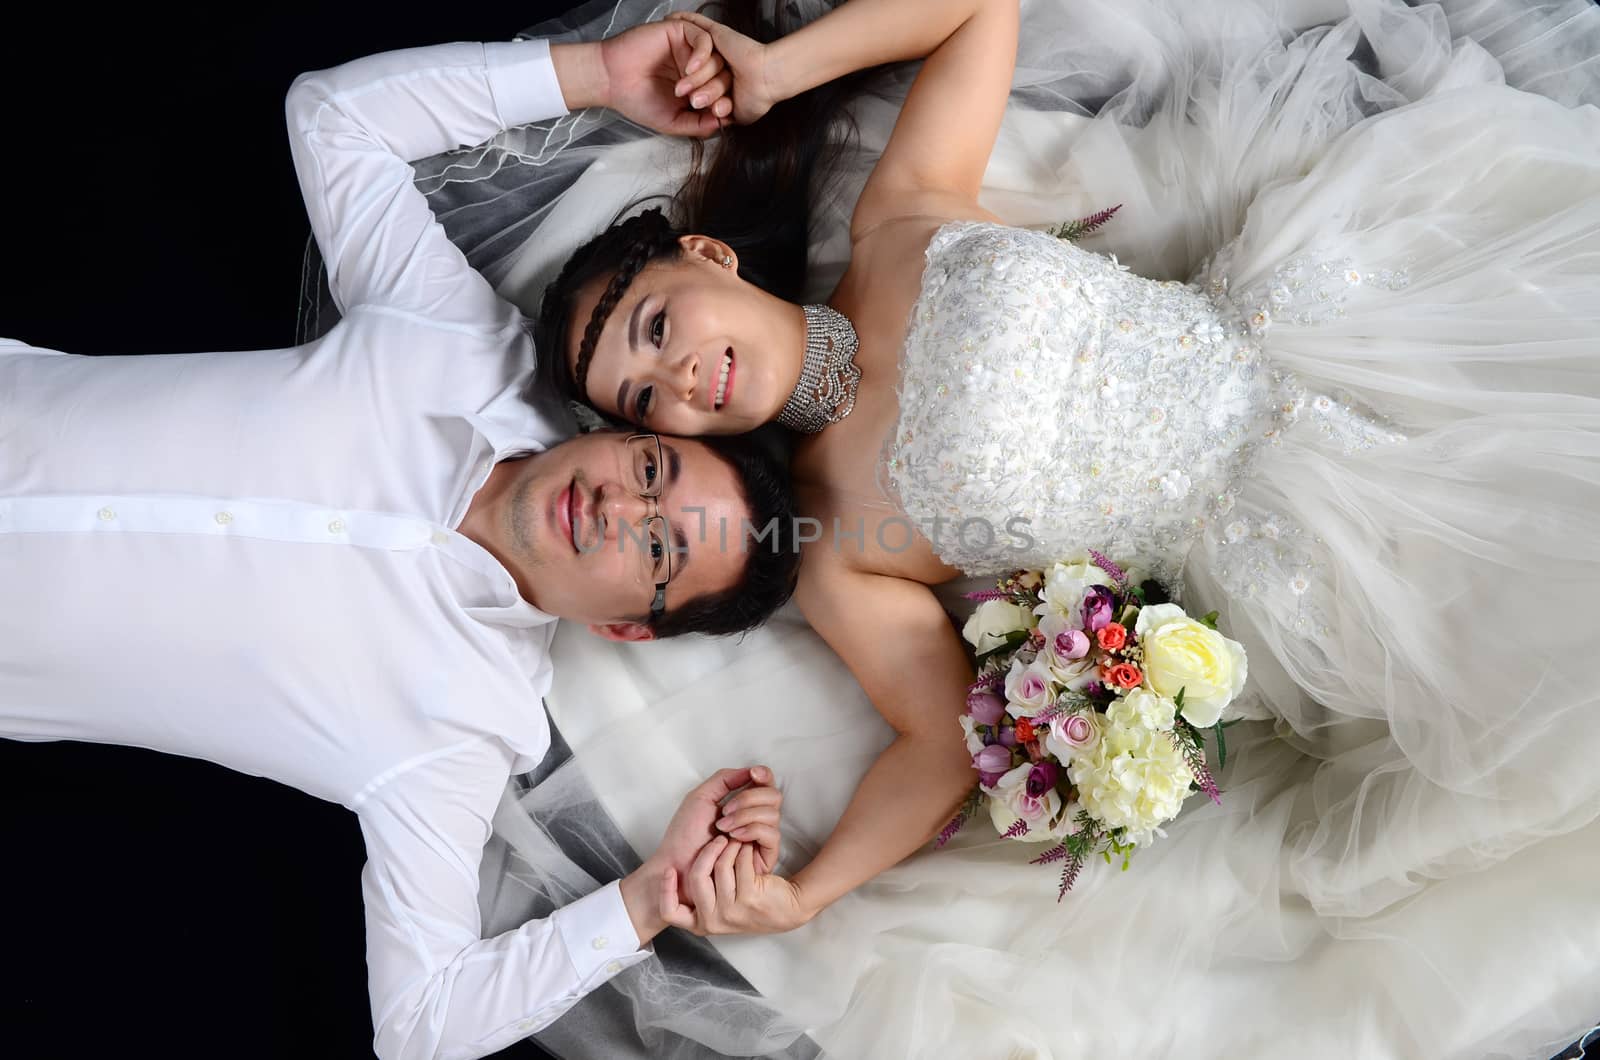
(525, 1025)
(440, 537)
(336, 527)
(224, 518)
(614, 967)
(601, 943)
(106, 515)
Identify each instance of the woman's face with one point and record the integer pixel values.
(690, 348)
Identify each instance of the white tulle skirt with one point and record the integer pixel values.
(1405, 859)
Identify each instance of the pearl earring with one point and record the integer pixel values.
(727, 261)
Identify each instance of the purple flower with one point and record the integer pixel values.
(1008, 737)
(1071, 644)
(1094, 689)
(989, 780)
(992, 759)
(985, 708)
(1097, 603)
(1041, 778)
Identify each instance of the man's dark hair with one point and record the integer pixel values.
(772, 559)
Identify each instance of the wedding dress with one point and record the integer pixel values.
(1341, 383)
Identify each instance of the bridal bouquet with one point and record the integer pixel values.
(1086, 722)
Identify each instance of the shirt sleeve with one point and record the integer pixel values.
(353, 132)
(439, 991)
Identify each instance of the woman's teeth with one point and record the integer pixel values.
(722, 380)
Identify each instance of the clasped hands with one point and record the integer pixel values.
(715, 863)
(686, 75)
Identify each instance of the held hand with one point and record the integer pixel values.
(753, 816)
(754, 78)
(752, 812)
(728, 896)
(646, 67)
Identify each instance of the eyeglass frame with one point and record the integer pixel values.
(658, 605)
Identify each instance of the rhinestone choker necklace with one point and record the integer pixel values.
(826, 392)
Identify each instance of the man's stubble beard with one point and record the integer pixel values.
(520, 525)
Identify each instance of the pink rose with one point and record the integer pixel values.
(1071, 644)
(1076, 731)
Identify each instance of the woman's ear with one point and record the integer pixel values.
(713, 250)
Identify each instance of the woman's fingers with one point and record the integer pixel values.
(744, 871)
(767, 838)
(714, 94)
(756, 796)
(705, 70)
(727, 892)
(744, 817)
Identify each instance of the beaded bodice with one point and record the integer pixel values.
(1050, 402)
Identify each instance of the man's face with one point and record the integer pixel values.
(571, 526)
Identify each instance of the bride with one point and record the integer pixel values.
(1355, 409)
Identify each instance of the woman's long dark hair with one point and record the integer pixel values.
(756, 195)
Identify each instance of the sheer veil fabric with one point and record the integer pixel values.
(1432, 934)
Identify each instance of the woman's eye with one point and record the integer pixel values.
(658, 327)
(641, 408)
(655, 549)
(650, 471)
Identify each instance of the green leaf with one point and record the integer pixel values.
(1177, 700)
(1222, 745)
(1209, 619)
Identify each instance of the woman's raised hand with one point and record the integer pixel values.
(754, 87)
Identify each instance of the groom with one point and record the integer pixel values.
(339, 565)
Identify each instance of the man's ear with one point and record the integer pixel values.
(622, 631)
(713, 250)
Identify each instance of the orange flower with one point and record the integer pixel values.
(1125, 675)
(1112, 636)
(1025, 732)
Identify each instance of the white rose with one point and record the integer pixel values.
(1010, 802)
(974, 741)
(1180, 654)
(992, 621)
(1135, 778)
(1028, 688)
(1143, 707)
(1064, 586)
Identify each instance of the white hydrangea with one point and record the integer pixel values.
(1134, 778)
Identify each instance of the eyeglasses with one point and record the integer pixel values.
(645, 478)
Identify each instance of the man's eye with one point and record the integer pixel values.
(658, 327)
(656, 551)
(649, 471)
(642, 406)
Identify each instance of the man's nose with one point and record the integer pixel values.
(619, 507)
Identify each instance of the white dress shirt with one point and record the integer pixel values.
(251, 558)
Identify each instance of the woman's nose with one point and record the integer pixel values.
(685, 376)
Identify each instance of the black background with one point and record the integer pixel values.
(153, 905)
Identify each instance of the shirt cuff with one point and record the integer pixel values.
(523, 80)
(599, 935)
